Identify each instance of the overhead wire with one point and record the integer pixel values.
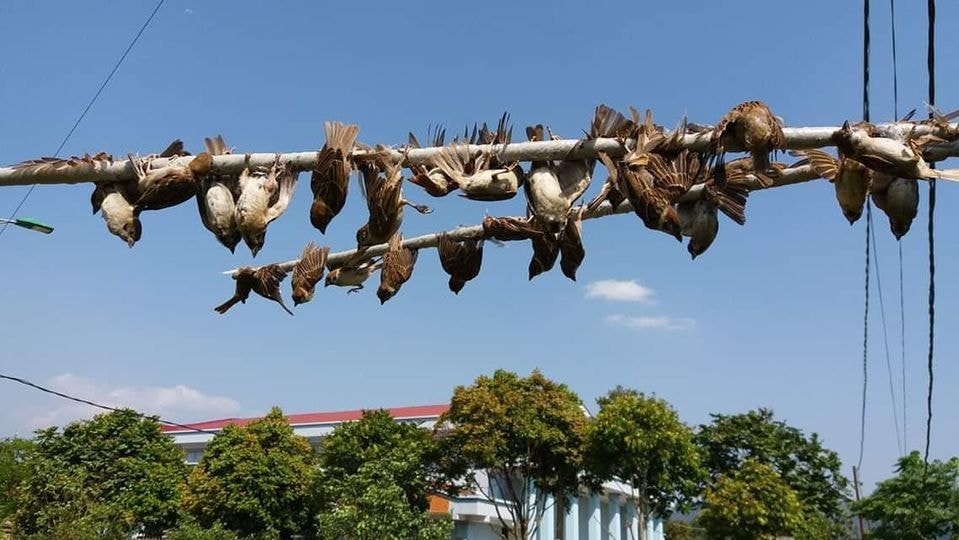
(86, 109)
(931, 68)
(865, 324)
(885, 339)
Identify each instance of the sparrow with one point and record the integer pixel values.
(384, 199)
(888, 156)
(352, 276)
(850, 178)
(545, 246)
(752, 126)
(331, 176)
(460, 259)
(700, 222)
(484, 176)
(433, 180)
(264, 281)
(397, 268)
(308, 271)
(898, 198)
(264, 196)
(646, 140)
(216, 199)
(56, 163)
(571, 247)
(170, 185)
(114, 201)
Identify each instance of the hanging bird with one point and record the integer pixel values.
(850, 178)
(308, 271)
(331, 176)
(571, 249)
(485, 176)
(753, 127)
(264, 196)
(397, 268)
(888, 156)
(216, 199)
(545, 252)
(170, 185)
(264, 281)
(506, 229)
(114, 201)
(460, 259)
(545, 245)
(352, 276)
(611, 190)
(384, 199)
(700, 222)
(898, 198)
(432, 179)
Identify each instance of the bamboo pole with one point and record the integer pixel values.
(790, 176)
(797, 138)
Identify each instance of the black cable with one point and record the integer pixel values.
(87, 108)
(865, 61)
(885, 339)
(98, 405)
(902, 337)
(931, 67)
(865, 341)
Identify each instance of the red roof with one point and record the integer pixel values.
(421, 411)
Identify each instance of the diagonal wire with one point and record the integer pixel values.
(885, 339)
(87, 108)
(95, 404)
(865, 341)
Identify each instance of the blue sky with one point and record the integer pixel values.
(770, 316)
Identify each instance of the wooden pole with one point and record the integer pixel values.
(855, 483)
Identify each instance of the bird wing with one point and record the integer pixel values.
(286, 178)
(824, 164)
(311, 266)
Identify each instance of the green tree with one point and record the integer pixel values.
(376, 477)
(254, 480)
(810, 469)
(115, 474)
(917, 503)
(640, 440)
(13, 452)
(517, 433)
(751, 502)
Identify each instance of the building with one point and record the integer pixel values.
(610, 515)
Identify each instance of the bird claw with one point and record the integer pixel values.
(354, 289)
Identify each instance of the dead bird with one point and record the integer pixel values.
(308, 271)
(114, 201)
(170, 185)
(397, 268)
(216, 199)
(461, 259)
(850, 178)
(353, 276)
(752, 126)
(264, 196)
(330, 180)
(264, 281)
(384, 199)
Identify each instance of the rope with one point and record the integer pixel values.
(885, 339)
(931, 67)
(895, 69)
(902, 337)
(97, 405)
(87, 109)
(865, 340)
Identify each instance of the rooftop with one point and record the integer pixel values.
(318, 418)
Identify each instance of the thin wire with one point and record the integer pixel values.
(885, 339)
(98, 405)
(895, 69)
(865, 318)
(865, 341)
(931, 67)
(87, 108)
(902, 337)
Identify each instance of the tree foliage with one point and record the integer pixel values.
(13, 453)
(523, 431)
(811, 470)
(255, 479)
(376, 477)
(641, 440)
(917, 503)
(113, 475)
(751, 502)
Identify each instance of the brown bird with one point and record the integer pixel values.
(461, 259)
(571, 249)
(170, 185)
(545, 246)
(700, 223)
(264, 281)
(331, 176)
(484, 176)
(397, 268)
(216, 199)
(850, 178)
(352, 276)
(264, 196)
(754, 128)
(898, 198)
(384, 199)
(888, 156)
(114, 201)
(432, 179)
(308, 271)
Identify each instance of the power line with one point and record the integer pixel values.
(98, 405)
(931, 67)
(895, 69)
(865, 321)
(885, 339)
(87, 108)
(902, 338)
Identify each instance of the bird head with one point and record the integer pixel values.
(302, 295)
(384, 293)
(131, 231)
(363, 235)
(332, 278)
(900, 227)
(671, 224)
(852, 215)
(230, 240)
(255, 241)
(202, 164)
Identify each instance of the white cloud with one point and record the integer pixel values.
(619, 290)
(654, 323)
(188, 11)
(178, 403)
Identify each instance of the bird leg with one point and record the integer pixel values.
(354, 289)
(421, 208)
